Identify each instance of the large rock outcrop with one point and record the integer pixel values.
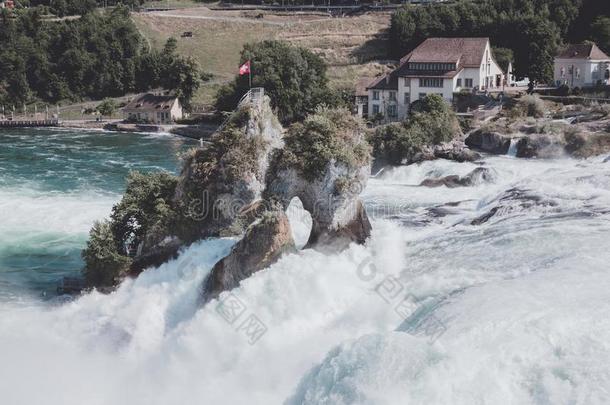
(455, 150)
(220, 183)
(477, 176)
(541, 145)
(326, 164)
(241, 184)
(264, 242)
(488, 141)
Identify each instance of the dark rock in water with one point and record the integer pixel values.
(485, 217)
(478, 175)
(447, 181)
(540, 145)
(455, 150)
(262, 245)
(356, 229)
(155, 256)
(607, 159)
(514, 199)
(438, 212)
(490, 142)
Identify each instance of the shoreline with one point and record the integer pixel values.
(188, 131)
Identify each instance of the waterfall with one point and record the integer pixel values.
(458, 294)
(512, 149)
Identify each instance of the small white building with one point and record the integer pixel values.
(440, 66)
(362, 97)
(582, 65)
(153, 109)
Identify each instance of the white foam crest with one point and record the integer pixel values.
(28, 210)
(540, 339)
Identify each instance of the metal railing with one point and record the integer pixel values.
(253, 97)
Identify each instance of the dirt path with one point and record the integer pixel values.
(216, 18)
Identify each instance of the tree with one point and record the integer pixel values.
(510, 24)
(600, 32)
(535, 47)
(184, 77)
(504, 57)
(104, 265)
(107, 107)
(293, 77)
(431, 122)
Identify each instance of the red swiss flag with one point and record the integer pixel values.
(245, 68)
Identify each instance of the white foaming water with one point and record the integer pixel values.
(510, 311)
(512, 149)
(29, 217)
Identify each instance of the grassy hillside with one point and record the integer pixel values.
(350, 45)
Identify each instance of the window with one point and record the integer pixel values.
(430, 82)
(392, 111)
(432, 66)
(422, 95)
(468, 83)
(392, 96)
(375, 95)
(459, 83)
(375, 109)
(577, 73)
(407, 99)
(407, 82)
(563, 71)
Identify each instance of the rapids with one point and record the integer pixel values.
(494, 294)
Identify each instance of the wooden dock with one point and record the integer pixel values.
(21, 123)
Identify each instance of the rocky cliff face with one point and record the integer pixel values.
(584, 133)
(326, 164)
(220, 183)
(264, 242)
(241, 184)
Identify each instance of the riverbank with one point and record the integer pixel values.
(190, 131)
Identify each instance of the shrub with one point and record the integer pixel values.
(107, 107)
(145, 211)
(531, 106)
(104, 265)
(327, 135)
(432, 122)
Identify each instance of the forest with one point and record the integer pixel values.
(99, 55)
(527, 32)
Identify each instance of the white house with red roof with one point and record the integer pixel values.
(440, 66)
(582, 65)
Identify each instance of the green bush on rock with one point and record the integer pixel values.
(143, 217)
(145, 211)
(104, 265)
(431, 122)
(328, 135)
(530, 106)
